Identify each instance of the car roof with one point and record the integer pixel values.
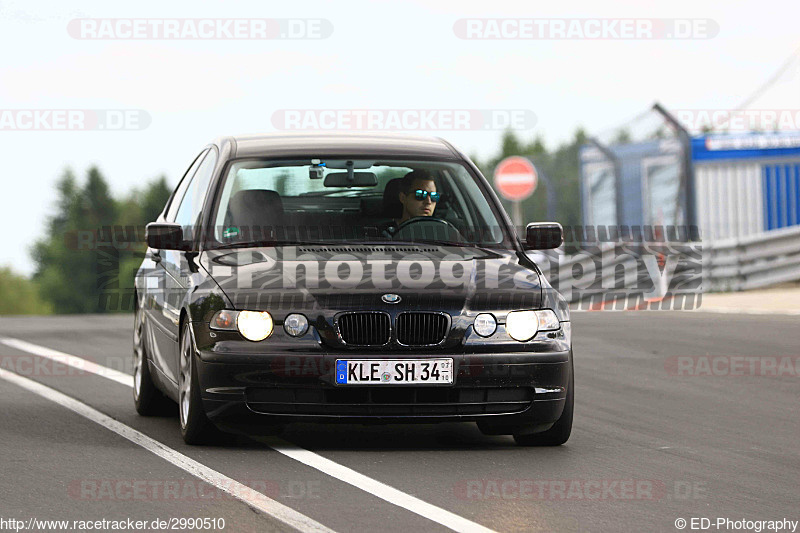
(338, 145)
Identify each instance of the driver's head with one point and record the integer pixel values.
(415, 203)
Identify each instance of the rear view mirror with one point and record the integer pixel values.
(164, 236)
(544, 235)
(360, 179)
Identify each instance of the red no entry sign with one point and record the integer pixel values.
(515, 178)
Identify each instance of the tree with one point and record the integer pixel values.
(99, 208)
(623, 137)
(155, 198)
(62, 269)
(91, 248)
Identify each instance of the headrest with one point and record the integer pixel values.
(254, 209)
(391, 201)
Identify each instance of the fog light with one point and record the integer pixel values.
(485, 325)
(295, 325)
(254, 325)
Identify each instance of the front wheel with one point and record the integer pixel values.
(148, 400)
(196, 428)
(561, 430)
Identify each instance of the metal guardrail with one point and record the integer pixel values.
(731, 265)
(619, 272)
(752, 262)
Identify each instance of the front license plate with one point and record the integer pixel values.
(394, 371)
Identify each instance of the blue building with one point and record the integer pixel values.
(744, 184)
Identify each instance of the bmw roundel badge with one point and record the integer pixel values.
(391, 298)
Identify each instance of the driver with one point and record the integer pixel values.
(418, 197)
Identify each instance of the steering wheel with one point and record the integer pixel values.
(427, 227)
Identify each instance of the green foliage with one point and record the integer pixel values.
(20, 296)
(85, 254)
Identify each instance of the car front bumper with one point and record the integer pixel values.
(248, 392)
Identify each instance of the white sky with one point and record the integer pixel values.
(382, 55)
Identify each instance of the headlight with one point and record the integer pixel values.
(523, 325)
(295, 325)
(254, 325)
(485, 325)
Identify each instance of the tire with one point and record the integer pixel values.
(561, 430)
(196, 428)
(148, 400)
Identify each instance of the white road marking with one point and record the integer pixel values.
(307, 457)
(239, 491)
(745, 311)
(69, 360)
(372, 486)
(703, 309)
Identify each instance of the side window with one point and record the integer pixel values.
(175, 201)
(192, 202)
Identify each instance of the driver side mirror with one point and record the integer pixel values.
(165, 236)
(544, 235)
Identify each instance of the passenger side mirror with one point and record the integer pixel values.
(165, 236)
(544, 235)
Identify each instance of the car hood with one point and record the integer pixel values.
(349, 277)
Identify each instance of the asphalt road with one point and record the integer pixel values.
(649, 446)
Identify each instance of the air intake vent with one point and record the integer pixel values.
(400, 402)
(422, 329)
(364, 329)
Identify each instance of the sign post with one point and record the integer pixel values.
(515, 178)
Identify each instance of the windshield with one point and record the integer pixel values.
(312, 201)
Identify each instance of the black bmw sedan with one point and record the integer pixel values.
(348, 278)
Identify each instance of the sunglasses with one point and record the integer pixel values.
(419, 194)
